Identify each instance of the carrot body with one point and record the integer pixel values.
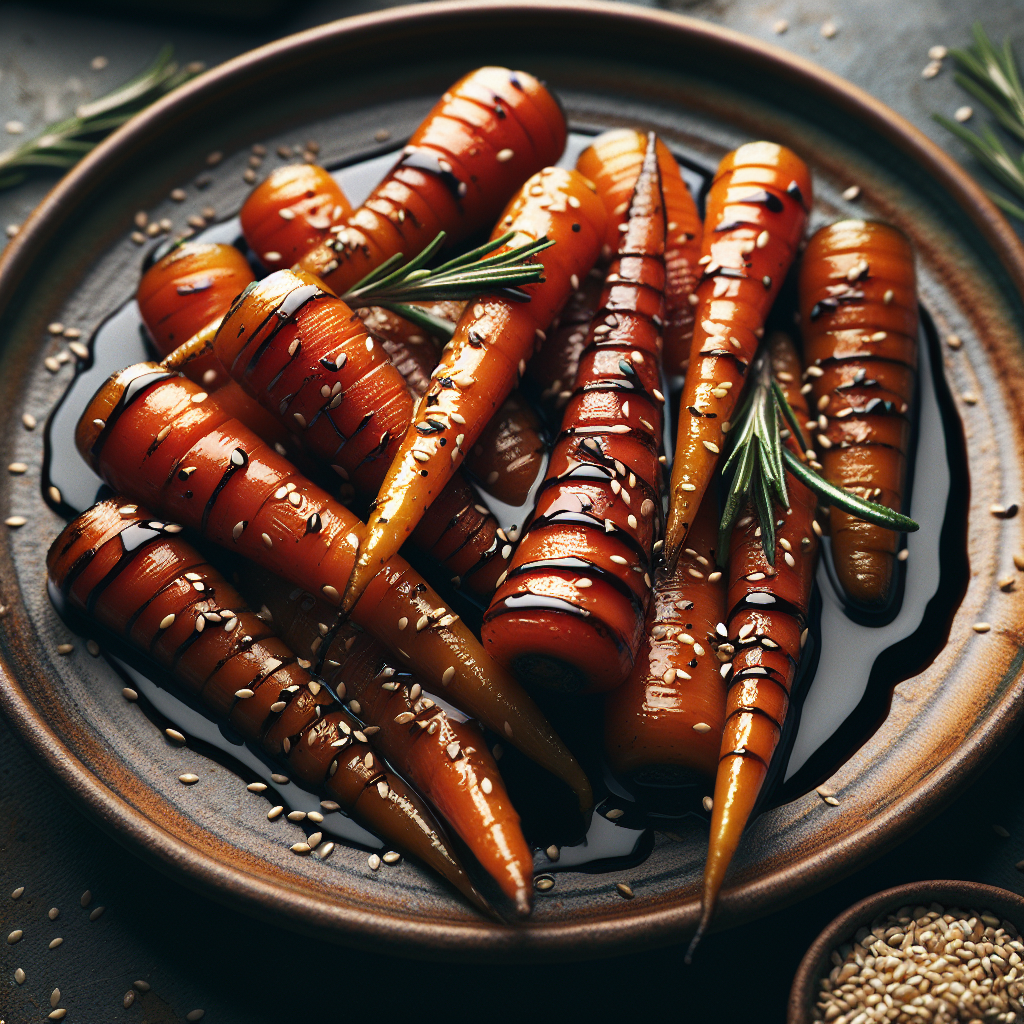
(447, 761)
(756, 211)
(767, 626)
(188, 290)
(663, 726)
(570, 613)
(139, 579)
(486, 135)
(858, 311)
(156, 437)
(291, 212)
(413, 353)
(488, 352)
(613, 163)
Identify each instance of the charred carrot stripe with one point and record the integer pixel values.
(156, 437)
(139, 579)
(291, 212)
(413, 353)
(664, 724)
(447, 761)
(488, 133)
(767, 626)
(613, 163)
(858, 302)
(493, 340)
(756, 211)
(570, 613)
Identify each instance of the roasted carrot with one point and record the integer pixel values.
(291, 212)
(140, 580)
(413, 353)
(756, 211)
(158, 438)
(663, 726)
(448, 761)
(488, 133)
(612, 162)
(767, 626)
(494, 338)
(570, 614)
(858, 313)
(187, 291)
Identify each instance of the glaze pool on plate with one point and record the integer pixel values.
(701, 88)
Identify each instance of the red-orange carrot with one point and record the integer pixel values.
(139, 579)
(663, 726)
(612, 162)
(768, 607)
(290, 213)
(756, 210)
(493, 340)
(858, 314)
(488, 133)
(448, 761)
(158, 438)
(570, 613)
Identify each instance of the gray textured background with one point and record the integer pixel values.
(193, 953)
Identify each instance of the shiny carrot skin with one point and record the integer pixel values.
(291, 212)
(756, 210)
(447, 761)
(613, 163)
(488, 133)
(767, 626)
(570, 614)
(158, 438)
(138, 578)
(858, 314)
(488, 352)
(190, 289)
(664, 725)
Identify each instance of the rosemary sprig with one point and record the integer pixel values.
(991, 77)
(759, 460)
(395, 283)
(62, 144)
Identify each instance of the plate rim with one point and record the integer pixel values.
(596, 934)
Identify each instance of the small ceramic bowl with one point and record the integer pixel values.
(1006, 905)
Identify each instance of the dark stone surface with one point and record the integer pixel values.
(196, 954)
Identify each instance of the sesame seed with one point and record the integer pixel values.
(374, 861)
(86, 898)
(931, 69)
(448, 675)
(888, 296)
(544, 883)
(711, 447)
(1007, 583)
(129, 694)
(969, 398)
(129, 999)
(504, 155)
(65, 649)
(963, 113)
(275, 812)
(296, 816)
(29, 421)
(174, 735)
(330, 592)
(903, 555)
(54, 943)
(193, 1015)
(97, 914)
(141, 986)
(614, 813)
(58, 1014)
(981, 627)
(19, 976)
(188, 779)
(281, 780)
(257, 787)
(1001, 831)
(828, 30)
(508, 730)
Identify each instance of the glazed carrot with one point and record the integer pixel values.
(158, 438)
(413, 353)
(663, 726)
(290, 213)
(188, 290)
(756, 210)
(139, 579)
(309, 361)
(493, 340)
(570, 614)
(612, 162)
(448, 761)
(767, 626)
(858, 312)
(487, 134)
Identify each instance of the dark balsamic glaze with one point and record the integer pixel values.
(425, 160)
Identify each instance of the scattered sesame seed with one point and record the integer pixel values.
(188, 779)
(330, 592)
(19, 976)
(702, 727)
(963, 114)
(58, 1014)
(174, 736)
(193, 1015)
(86, 898)
(781, 27)
(1001, 831)
(17, 468)
(65, 649)
(281, 780)
(129, 999)
(54, 943)
(374, 861)
(981, 627)
(391, 857)
(12, 230)
(969, 398)
(903, 554)
(828, 30)
(543, 883)
(28, 421)
(708, 804)
(16, 895)
(14, 127)
(504, 155)
(129, 694)
(97, 914)
(15, 521)
(624, 890)
(931, 69)
(1007, 583)
(614, 813)
(257, 787)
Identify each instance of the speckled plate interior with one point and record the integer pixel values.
(702, 88)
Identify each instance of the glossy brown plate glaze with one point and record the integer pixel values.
(345, 84)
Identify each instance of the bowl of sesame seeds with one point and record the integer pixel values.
(936, 951)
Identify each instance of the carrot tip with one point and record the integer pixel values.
(705, 920)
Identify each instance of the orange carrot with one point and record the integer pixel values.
(570, 613)
(291, 212)
(488, 133)
(756, 210)
(139, 579)
(858, 311)
(158, 438)
(493, 340)
(448, 761)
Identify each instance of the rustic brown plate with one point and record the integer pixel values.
(701, 87)
(966, 895)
